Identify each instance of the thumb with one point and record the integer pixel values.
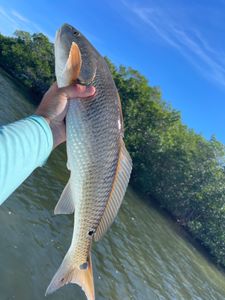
(79, 91)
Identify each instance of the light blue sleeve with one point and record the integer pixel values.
(24, 146)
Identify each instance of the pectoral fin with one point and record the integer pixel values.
(65, 204)
(118, 191)
(72, 67)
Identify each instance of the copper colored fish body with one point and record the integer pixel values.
(97, 158)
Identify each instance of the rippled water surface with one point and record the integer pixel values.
(143, 256)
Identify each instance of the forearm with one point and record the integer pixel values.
(24, 146)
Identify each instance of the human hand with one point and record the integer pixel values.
(54, 105)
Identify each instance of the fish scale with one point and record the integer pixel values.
(97, 122)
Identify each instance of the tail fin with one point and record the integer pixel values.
(67, 273)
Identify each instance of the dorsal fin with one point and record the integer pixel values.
(118, 191)
(121, 116)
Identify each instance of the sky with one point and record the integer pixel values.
(178, 45)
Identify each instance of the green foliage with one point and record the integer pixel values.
(29, 58)
(172, 164)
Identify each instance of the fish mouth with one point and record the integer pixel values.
(69, 28)
(66, 26)
(65, 36)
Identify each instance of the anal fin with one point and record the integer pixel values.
(120, 184)
(65, 204)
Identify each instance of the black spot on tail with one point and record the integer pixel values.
(84, 266)
(91, 232)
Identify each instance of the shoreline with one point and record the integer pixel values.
(34, 97)
(180, 229)
(182, 225)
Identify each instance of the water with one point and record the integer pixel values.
(144, 255)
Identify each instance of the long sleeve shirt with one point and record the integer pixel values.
(24, 146)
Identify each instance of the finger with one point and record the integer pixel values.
(53, 88)
(79, 91)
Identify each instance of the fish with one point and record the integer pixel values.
(99, 163)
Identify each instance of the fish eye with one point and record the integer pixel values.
(76, 33)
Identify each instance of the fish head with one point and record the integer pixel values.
(72, 48)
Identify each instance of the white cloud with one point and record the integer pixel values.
(7, 21)
(189, 42)
(12, 20)
(19, 16)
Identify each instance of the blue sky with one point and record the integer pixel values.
(177, 45)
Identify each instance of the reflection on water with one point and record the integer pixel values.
(142, 256)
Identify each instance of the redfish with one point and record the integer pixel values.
(99, 164)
